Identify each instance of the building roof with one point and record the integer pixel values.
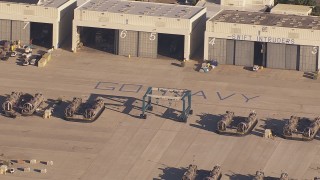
(282, 8)
(21, 1)
(46, 3)
(142, 8)
(164, 1)
(267, 19)
(214, 8)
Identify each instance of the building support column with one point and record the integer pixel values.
(318, 64)
(187, 47)
(55, 34)
(75, 37)
(206, 43)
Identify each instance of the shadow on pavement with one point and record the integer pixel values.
(58, 107)
(121, 104)
(275, 125)
(2, 99)
(125, 105)
(171, 173)
(240, 177)
(207, 122)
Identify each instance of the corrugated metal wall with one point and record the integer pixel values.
(276, 56)
(230, 52)
(5, 29)
(128, 43)
(217, 50)
(291, 57)
(308, 58)
(148, 45)
(21, 31)
(244, 54)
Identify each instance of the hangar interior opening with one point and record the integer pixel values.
(41, 34)
(171, 46)
(260, 53)
(99, 38)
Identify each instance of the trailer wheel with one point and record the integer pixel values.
(143, 116)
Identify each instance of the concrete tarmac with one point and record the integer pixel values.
(120, 145)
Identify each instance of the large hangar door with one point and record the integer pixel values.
(244, 54)
(128, 43)
(308, 58)
(276, 56)
(41, 34)
(20, 31)
(217, 50)
(230, 52)
(5, 29)
(291, 57)
(148, 45)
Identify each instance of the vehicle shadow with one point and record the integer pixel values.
(259, 130)
(308, 75)
(207, 122)
(240, 177)
(248, 68)
(176, 64)
(2, 100)
(275, 125)
(58, 106)
(171, 173)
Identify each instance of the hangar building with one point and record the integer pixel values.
(141, 29)
(292, 9)
(46, 22)
(269, 40)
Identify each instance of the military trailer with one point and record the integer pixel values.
(77, 110)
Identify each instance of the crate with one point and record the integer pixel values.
(42, 62)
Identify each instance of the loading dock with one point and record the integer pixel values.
(40, 22)
(143, 29)
(269, 40)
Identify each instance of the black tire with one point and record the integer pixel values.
(143, 116)
(150, 108)
(183, 119)
(191, 112)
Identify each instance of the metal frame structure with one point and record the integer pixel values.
(180, 94)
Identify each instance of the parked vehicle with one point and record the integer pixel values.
(13, 54)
